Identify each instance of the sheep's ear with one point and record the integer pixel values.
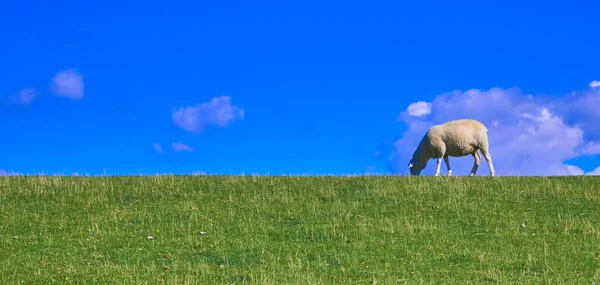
(410, 164)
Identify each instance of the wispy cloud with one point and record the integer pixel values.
(177, 146)
(9, 173)
(157, 147)
(218, 112)
(26, 96)
(68, 83)
(595, 84)
(529, 135)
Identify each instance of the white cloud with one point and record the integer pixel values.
(419, 109)
(572, 170)
(591, 148)
(177, 146)
(157, 147)
(528, 134)
(68, 83)
(218, 112)
(595, 84)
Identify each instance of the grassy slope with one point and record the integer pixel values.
(307, 230)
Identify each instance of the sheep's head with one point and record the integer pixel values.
(416, 167)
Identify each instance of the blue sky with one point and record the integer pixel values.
(297, 87)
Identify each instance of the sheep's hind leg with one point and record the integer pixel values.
(448, 165)
(476, 163)
(488, 158)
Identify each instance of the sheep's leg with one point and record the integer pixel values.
(488, 158)
(476, 163)
(439, 164)
(448, 165)
(440, 152)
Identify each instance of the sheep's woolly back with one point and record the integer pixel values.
(453, 138)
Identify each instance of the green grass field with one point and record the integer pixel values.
(299, 230)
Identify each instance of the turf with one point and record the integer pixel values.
(299, 230)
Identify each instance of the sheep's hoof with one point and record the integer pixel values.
(436, 174)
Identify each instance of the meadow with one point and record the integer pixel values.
(299, 230)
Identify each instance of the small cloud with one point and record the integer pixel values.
(176, 146)
(8, 173)
(68, 83)
(157, 147)
(377, 153)
(595, 84)
(572, 170)
(218, 112)
(594, 172)
(26, 96)
(419, 109)
(591, 148)
(199, 173)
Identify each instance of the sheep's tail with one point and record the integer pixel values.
(484, 128)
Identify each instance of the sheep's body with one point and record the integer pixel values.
(454, 138)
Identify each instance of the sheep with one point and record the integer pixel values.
(454, 138)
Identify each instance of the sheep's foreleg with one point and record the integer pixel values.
(439, 164)
(476, 163)
(448, 165)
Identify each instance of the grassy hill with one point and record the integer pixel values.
(299, 230)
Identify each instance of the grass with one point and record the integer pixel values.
(299, 230)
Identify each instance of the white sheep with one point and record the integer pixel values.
(454, 138)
